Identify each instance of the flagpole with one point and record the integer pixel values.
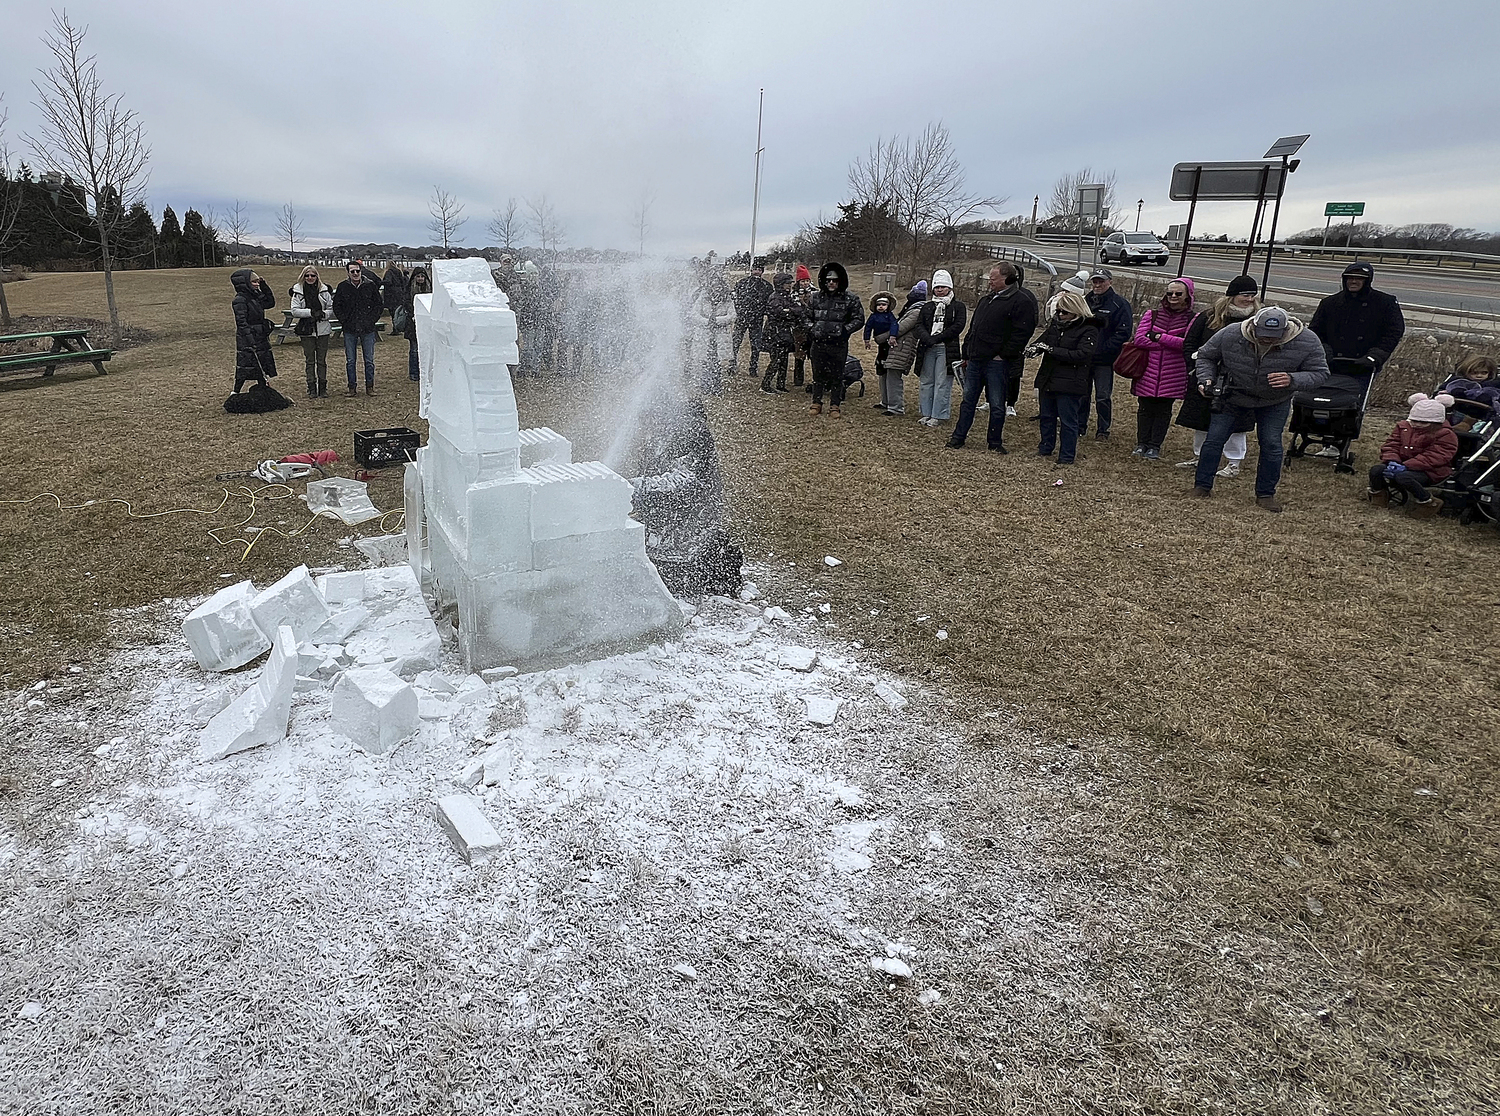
(755, 206)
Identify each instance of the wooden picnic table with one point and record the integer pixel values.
(287, 330)
(69, 346)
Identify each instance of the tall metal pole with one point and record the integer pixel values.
(1265, 175)
(1326, 226)
(1034, 203)
(1187, 233)
(1138, 206)
(1265, 279)
(755, 206)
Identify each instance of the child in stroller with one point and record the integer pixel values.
(1419, 452)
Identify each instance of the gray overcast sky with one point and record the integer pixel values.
(353, 111)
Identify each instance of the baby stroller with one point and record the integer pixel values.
(1331, 415)
(854, 373)
(1469, 491)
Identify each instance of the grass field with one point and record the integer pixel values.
(1276, 737)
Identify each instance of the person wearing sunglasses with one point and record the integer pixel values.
(1165, 380)
(357, 306)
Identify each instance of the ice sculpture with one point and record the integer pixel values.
(542, 561)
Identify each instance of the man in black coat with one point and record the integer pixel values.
(833, 315)
(1359, 322)
(1004, 320)
(1116, 323)
(357, 306)
(750, 296)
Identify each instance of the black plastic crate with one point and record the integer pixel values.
(395, 445)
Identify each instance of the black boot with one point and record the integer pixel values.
(765, 385)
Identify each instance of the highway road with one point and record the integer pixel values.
(1451, 290)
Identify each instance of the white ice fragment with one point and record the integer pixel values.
(831, 562)
(374, 708)
(685, 971)
(891, 696)
(259, 715)
(30, 1011)
(748, 591)
(383, 550)
(942, 634)
(102, 751)
(306, 683)
(470, 688)
(498, 674)
(343, 587)
(935, 840)
(431, 708)
(848, 795)
(928, 996)
(341, 625)
(821, 710)
(892, 967)
(222, 632)
(434, 682)
(797, 658)
(777, 613)
(825, 608)
(293, 601)
(467, 827)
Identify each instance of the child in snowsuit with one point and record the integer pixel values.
(883, 325)
(1419, 452)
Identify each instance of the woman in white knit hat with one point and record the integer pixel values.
(938, 330)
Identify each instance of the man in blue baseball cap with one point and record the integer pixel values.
(1251, 370)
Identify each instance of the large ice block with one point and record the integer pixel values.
(295, 601)
(259, 715)
(222, 632)
(538, 553)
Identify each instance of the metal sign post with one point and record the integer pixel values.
(1285, 147)
(1090, 202)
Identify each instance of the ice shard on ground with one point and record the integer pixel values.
(543, 564)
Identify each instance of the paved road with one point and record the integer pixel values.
(1447, 290)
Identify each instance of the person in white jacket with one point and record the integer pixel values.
(312, 306)
(713, 319)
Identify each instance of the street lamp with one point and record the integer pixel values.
(1138, 205)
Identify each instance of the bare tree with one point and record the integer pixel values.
(236, 222)
(544, 222)
(506, 225)
(1063, 204)
(874, 177)
(931, 186)
(10, 209)
(447, 216)
(92, 139)
(289, 227)
(641, 220)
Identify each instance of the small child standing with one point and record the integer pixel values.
(883, 324)
(1419, 452)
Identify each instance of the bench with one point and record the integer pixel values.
(69, 346)
(287, 330)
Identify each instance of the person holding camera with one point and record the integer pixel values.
(1067, 347)
(1251, 371)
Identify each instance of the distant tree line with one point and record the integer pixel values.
(1430, 236)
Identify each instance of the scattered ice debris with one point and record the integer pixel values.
(798, 658)
(831, 562)
(686, 971)
(374, 708)
(1314, 907)
(891, 696)
(845, 794)
(891, 966)
(928, 996)
(30, 1012)
(222, 633)
(749, 592)
(498, 674)
(935, 840)
(822, 710)
(293, 601)
(825, 609)
(1057, 483)
(776, 613)
(942, 633)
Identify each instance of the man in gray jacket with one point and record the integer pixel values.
(1251, 370)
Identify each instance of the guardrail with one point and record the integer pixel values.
(1009, 252)
(1473, 261)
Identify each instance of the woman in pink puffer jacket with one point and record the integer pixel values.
(1166, 377)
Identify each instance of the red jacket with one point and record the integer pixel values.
(1431, 450)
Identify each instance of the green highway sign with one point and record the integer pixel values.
(1344, 209)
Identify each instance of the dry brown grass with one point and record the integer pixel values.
(1257, 754)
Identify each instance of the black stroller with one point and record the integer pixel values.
(1331, 415)
(854, 373)
(1469, 491)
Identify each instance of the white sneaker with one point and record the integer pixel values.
(1190, 463)
(1230, 470)
(982, 407)
(1010, 412)
(1327, 451)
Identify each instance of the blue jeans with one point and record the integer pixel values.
(1270, 423)
(1060, 409)
(991, 376)
(353, 342)
(413, 363)
(936, 396)
(1102, 385)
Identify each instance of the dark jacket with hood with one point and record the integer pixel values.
(751, 294)
(252, 333)
(358, 308)
(393, 291)
(783, 313)
(1004, 321)
(833, 318)
(1356, 326)
(1067, 366)
(1115, 323)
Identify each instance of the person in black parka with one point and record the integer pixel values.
(252, 332)
(833, 315)
(1067, 347)
(1359, 322)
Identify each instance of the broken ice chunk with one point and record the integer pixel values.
(343, 587)
(467, 827)
(259, 715)
(293, 601)
(797, 658)
(822, 710)
(222, 632)
(374, 708)
(341, 625)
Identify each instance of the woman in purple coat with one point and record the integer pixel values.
(1166, 378)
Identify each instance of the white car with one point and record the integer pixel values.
(1134, 248)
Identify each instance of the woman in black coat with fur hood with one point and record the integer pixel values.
(252, 332)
